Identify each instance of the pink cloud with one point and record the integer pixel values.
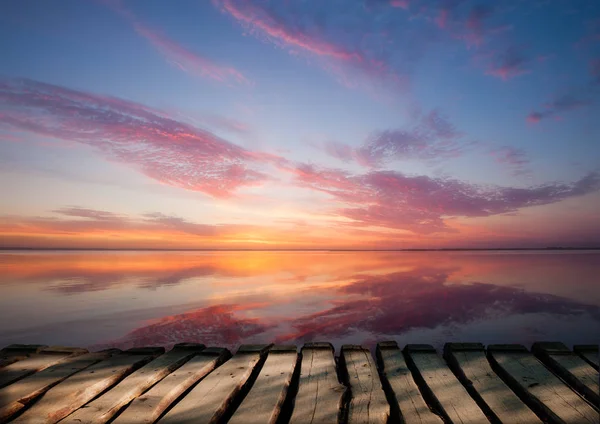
(404, 4)
(419, 203)
(191, 62)
(442, 18)
(181, 57)
(167, 150)
(247, 13)
(475, 29)
(351, 63)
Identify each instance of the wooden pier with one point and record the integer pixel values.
(467, 383)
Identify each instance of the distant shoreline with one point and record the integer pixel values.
(458, 249)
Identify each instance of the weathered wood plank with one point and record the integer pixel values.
(18, 395)
(209, 401)
(263, 404)
(398, 381)
(569, 366)
(320, 394)
(103, 409)
(538, 387)
(15, 352)
(368, 404)
(470, 365)
(77, 390)
(35, 362)
(148, 408)
(442, 387)
(589, 353)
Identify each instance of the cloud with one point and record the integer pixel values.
(84, 221)
(354, 48)
(507, 64)
(427, 301)
(404, 4)
(595, 71)
(516, 159)
(475, 24)
(260, 19)
(367, 306)
(432, 137)
(164, 149)
(218, 325)
(179, 56)
(420, 203)
(565, 103)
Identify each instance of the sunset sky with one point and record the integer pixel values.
(299, 123)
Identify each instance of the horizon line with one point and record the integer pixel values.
(296, 249)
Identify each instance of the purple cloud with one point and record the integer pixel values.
(565, 103)
(516, 159)
(508, 64)
(432, 137)
(167, 150)
(420, 203)
(595, 71)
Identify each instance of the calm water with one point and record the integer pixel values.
(124, 299)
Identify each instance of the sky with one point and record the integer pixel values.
(359, 124)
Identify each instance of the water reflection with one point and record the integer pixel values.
(228, 298)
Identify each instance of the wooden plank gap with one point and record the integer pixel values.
(494, 397)
(538, 387)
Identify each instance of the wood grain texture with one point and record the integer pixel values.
(36, 362)
(589, 353)
(148, 408)
(443, 388)
(411, 407)
(368, 404)
(20, 394)
(572, 368)
(104, 408)
(77, 390)
(320, 394)
(15, 352)
(538, 387)
(209, 401)
(265, 400)
(471, 366)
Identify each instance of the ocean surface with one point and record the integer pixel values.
(125, 299)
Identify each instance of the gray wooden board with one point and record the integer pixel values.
(589, 353)
(368, 404)
(15, 352)
(104, 408)
(447, 393)
(412, 407)
(15, 397)
(572, 368)
(209, 401)
(320, 394)
(35, 362)
(263, 403)
(147, 408)
(539, 387)
(77, 390)
(471, 366)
